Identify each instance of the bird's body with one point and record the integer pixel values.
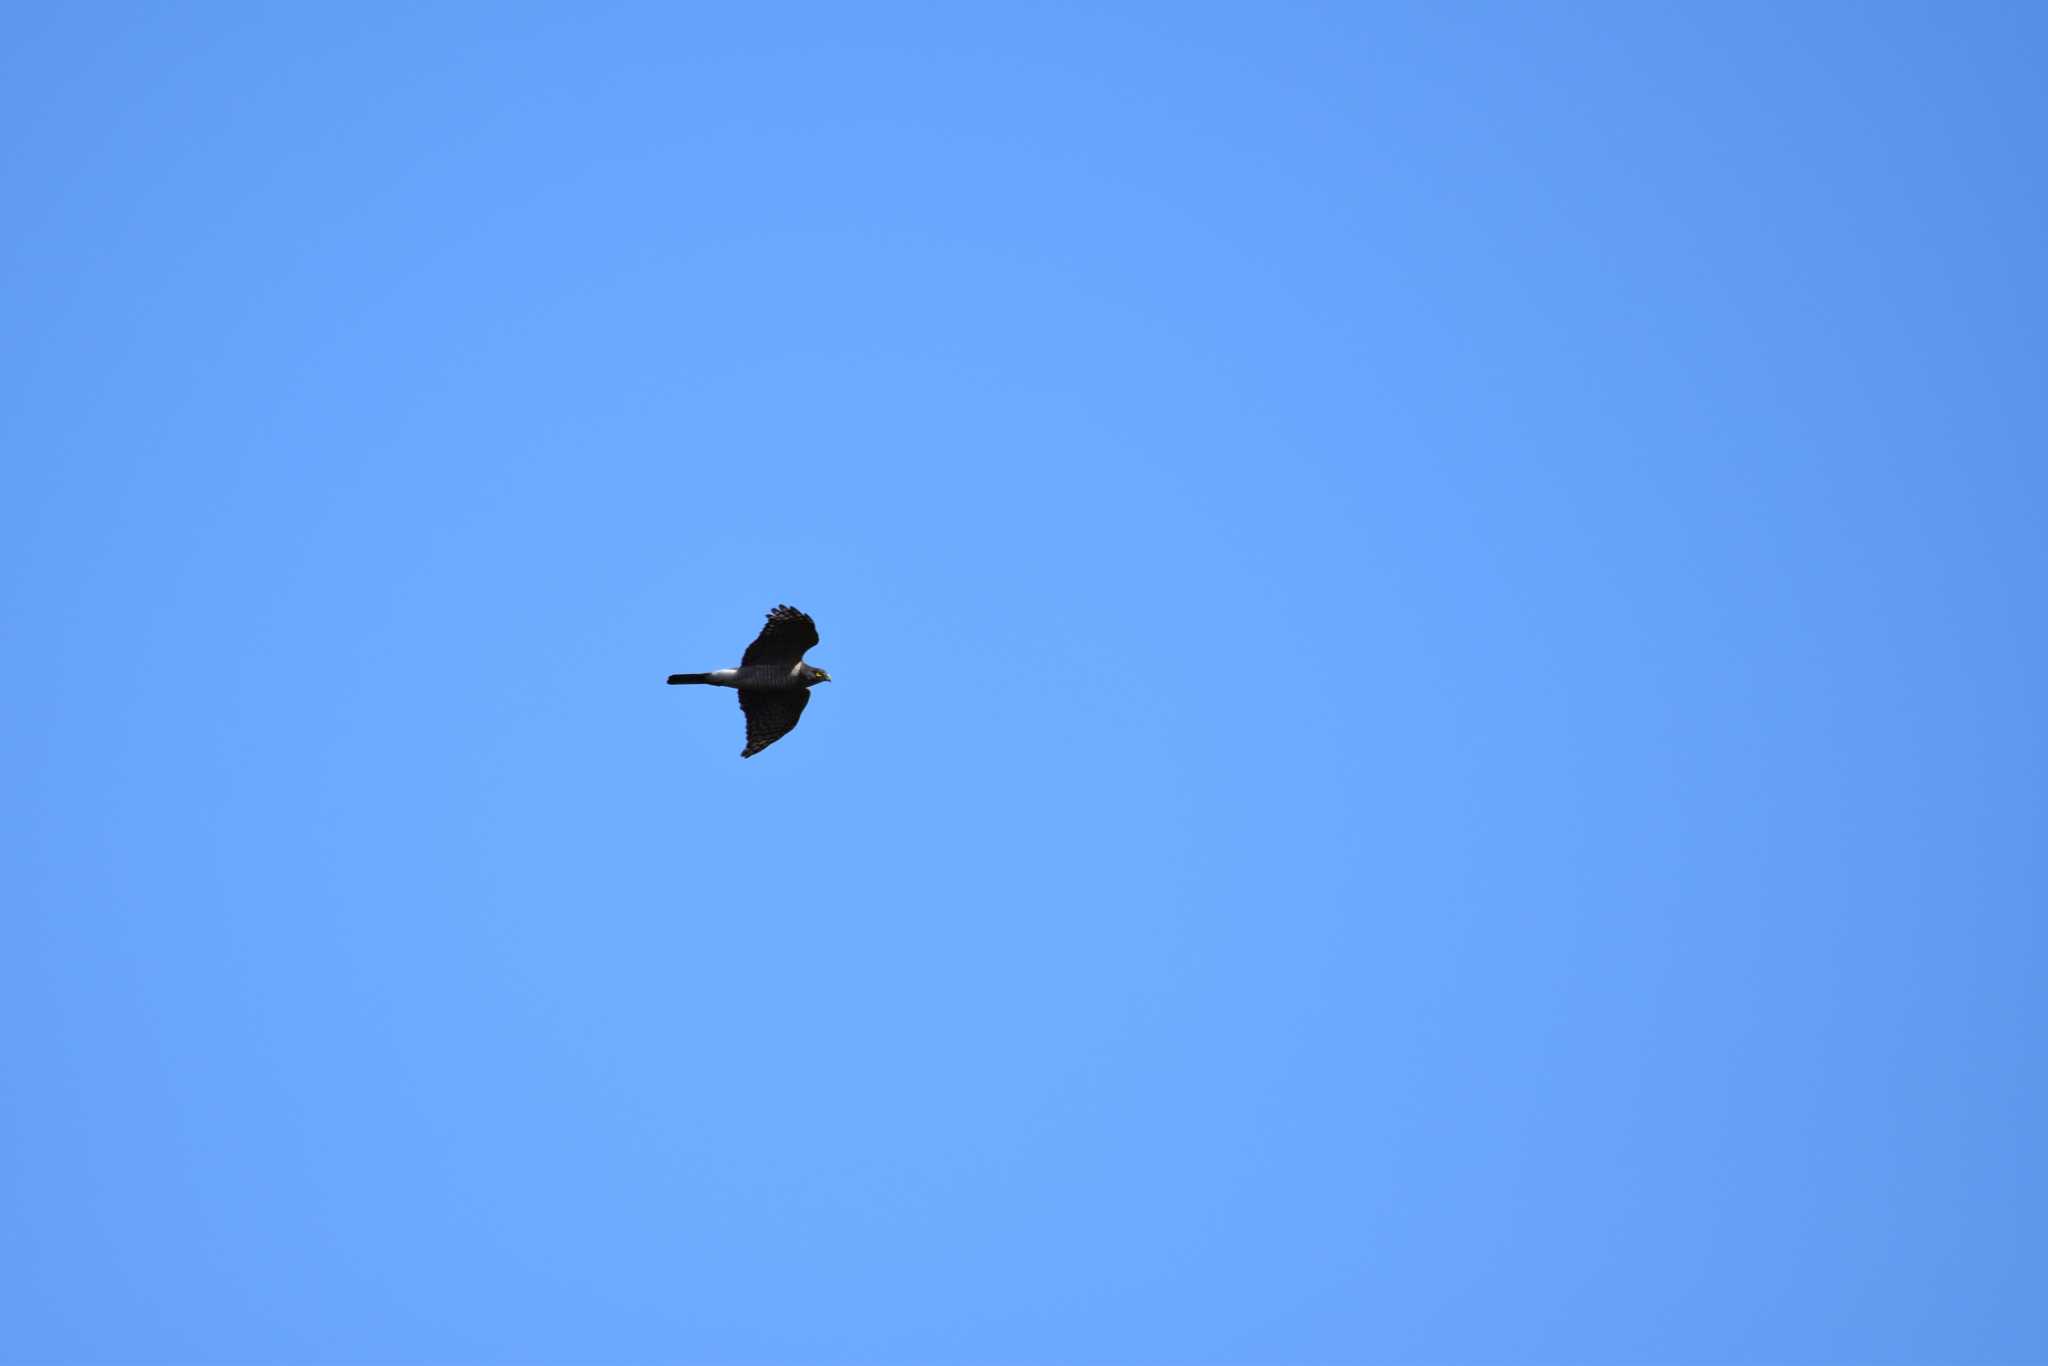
(773, 680)
(749, 676)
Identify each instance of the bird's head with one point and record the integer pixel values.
(814, 674)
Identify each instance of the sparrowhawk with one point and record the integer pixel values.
(774, 682)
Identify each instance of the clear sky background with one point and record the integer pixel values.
(1437, 750)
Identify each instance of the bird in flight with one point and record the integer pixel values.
(774, 682)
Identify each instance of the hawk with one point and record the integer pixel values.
(774, 682)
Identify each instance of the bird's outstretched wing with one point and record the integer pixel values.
(783, 640)
(771, 714)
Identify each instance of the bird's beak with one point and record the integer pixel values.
(824, 677)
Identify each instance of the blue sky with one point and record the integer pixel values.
(1436, 752)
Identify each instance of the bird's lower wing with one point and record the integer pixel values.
(771, 714)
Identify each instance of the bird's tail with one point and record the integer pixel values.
(689, 678)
